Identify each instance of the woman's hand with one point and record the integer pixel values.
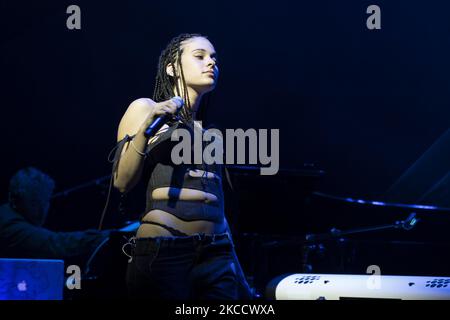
(168, 107)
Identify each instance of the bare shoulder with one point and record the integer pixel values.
(134, 116)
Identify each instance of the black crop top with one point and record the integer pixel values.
(164, 173)
(160, 171)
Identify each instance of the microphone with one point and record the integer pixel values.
(153, 128)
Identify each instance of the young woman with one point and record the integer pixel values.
(183, 248)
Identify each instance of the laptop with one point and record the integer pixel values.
(31, 279)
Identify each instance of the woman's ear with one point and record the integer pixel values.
(170, 70)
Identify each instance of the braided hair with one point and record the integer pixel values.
(165, 84)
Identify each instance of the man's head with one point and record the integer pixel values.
(29, 194)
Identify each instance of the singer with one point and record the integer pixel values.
(183, 248)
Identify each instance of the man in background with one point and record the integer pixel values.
(22, 218)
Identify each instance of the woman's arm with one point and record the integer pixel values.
(130, 166)
(139, 115)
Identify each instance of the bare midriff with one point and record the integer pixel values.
(168, 219)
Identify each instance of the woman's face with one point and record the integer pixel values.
(199, 63)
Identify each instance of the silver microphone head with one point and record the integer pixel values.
(178, 101)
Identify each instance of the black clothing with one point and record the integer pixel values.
(160, 171)
(179, 268)
(21, 239)
(183, 267)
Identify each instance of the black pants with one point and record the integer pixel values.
(194, 267)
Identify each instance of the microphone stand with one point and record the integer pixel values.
(311, 239)
(95, 182)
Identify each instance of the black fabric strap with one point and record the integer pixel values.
(118, 152)
(174, 232)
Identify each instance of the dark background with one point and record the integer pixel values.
(362, 105)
